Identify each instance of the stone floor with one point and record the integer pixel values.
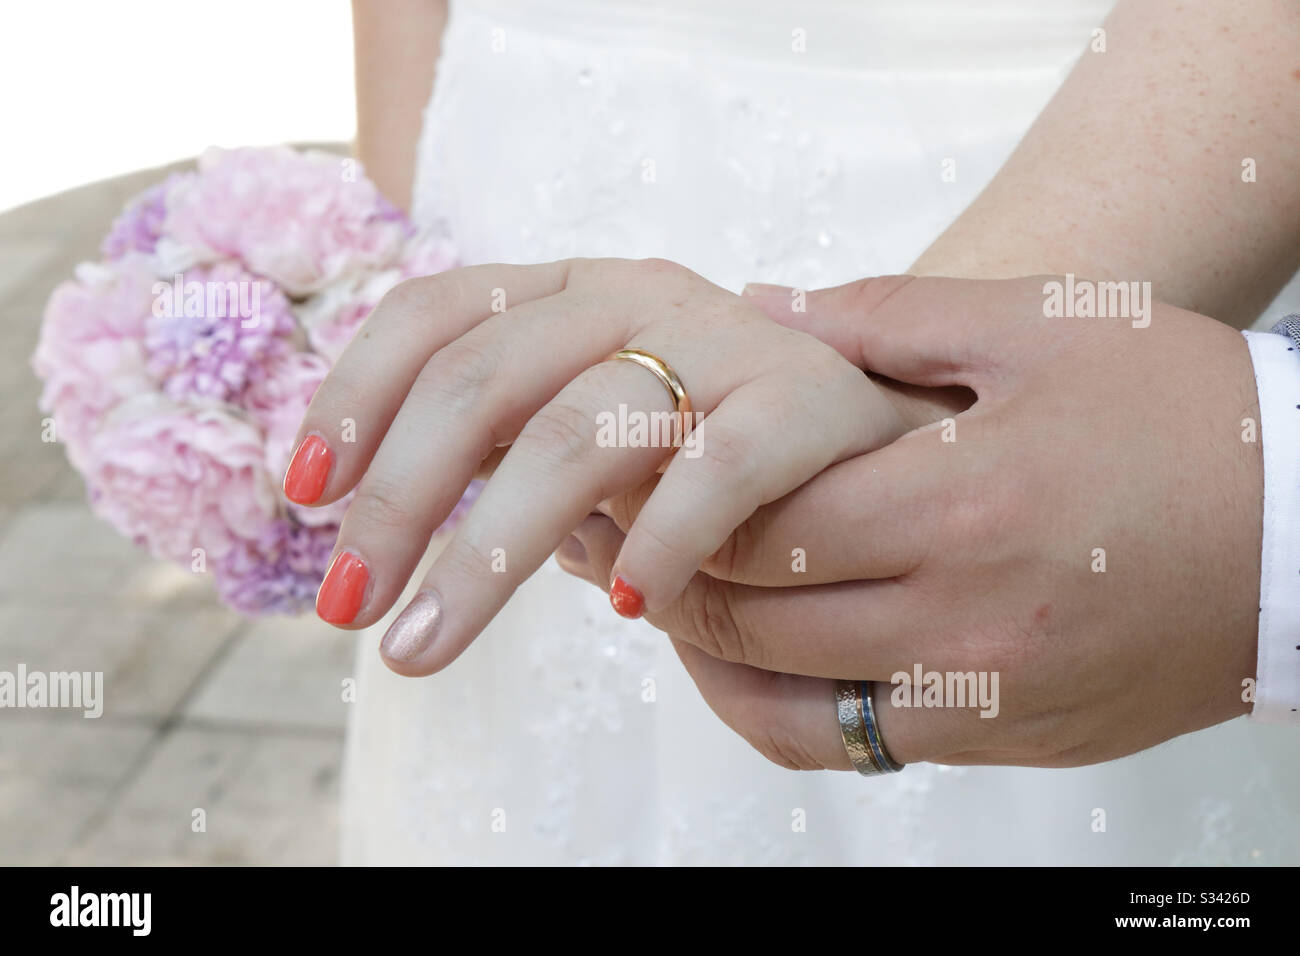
(204, 710)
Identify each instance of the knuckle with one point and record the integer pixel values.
(460, 373)
(626, 507)
(663, 274)
(723, 562)
(1042, 734)
(581, 269)
(653, 546)
(728, 449)
(814, 355)
(622, 510)
(735, 560)
(384, 503)
(864, 296)
(560, 433)
(655, 266)
(752, 718)
(1081, 755)
(713, 625)
(417, 297)
(847, 379)
(466, 559)
(346, 392)
(780, 747)
(727, 454)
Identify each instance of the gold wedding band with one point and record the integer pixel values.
(662, 371)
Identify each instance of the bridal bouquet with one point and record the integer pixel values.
(177, 368)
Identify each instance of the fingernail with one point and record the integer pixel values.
(341, 593)
(572, 550)
(414, 630)
(625, 599)
(764, 289)
(304, 481)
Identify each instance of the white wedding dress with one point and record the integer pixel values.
(801, 143)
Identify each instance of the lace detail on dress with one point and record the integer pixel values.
(590, 680)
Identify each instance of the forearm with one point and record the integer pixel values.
(1134, 170)
(396, 44)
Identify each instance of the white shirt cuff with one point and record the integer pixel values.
(1276, 359)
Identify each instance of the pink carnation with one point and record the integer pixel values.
(91, 351)
(174, 478)
(331, 338)
(427, 255)
(303, 220)
(333, 317)
(179, 411)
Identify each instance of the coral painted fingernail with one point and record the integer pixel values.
(341, 593)
(414, 630)
(626, 599)
(304, 481)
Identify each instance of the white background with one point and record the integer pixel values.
(95, 88)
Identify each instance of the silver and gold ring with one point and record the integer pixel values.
(862, 741)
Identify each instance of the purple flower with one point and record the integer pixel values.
(213, 330)
(466, 502)
(278, 573)
(140, 225)
(177, 370)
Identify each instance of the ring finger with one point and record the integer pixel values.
(572, 454)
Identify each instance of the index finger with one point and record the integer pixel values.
(357, 402)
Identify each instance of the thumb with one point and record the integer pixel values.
(925, 331)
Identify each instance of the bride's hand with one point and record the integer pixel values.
(450, 367)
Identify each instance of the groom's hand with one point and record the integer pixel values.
(1088, 532)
